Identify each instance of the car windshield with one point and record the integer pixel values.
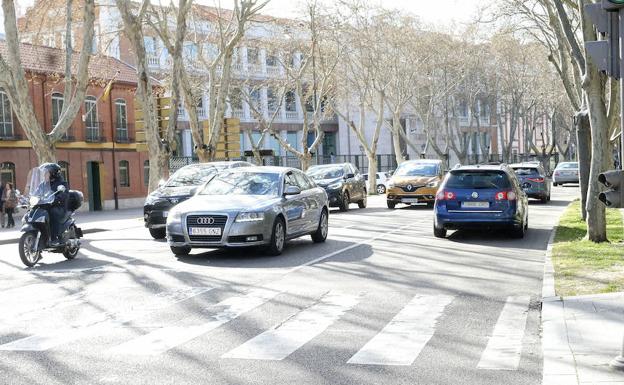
(478, 180)
(417, 169)
(192, 176)
(243, 183)
(568, 165)
(333, 172)
(524, 171)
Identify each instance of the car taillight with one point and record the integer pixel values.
(505, 196)
(538, 180)
(445, 195)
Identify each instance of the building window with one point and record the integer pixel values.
(253, 56)
(271, 60)
(146, 173)
(291, 138)
(124, 176)
(57, 107)
(6, 116)
(272, 101)
(64, 170)
(121, 121)
(291, 101)
(91, 120)
(7, 173)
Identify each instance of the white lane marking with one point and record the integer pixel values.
(403, 338)
(50, 339)
(504, 348)
(283, 339)
(168, 337)
(352, 246)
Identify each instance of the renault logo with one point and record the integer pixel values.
(475, 195)
(409, 187)
(205, 221)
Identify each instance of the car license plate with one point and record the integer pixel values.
(165, 214)
(476, 205)
(204, 231)
(409, 200)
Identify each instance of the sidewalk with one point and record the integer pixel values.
(89, 221)
(581, 335)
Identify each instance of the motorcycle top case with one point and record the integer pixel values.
(75, 200)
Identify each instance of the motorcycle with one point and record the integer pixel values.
(36, 222)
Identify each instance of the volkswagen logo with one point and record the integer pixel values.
(409, 187)
(475, 195)
(205, 221)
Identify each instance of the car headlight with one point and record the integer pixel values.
(151, 199)
(175, 216)
(334, 186)
(250, 217)
(433, 184)
(34, 201)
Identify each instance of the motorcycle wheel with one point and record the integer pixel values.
(71, 252)
(29, 256)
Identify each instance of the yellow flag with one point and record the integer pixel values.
(107, 90)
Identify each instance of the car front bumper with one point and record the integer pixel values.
(423, 194)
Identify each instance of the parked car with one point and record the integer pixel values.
(178, 188)
(382, 181)
(343, 183)
(533, 179)
(250, 206)
(474, 197)
(566, 172)
(415, 181)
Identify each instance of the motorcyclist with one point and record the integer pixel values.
(59, 207)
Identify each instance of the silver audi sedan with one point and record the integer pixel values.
(250, 206)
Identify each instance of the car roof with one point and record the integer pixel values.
(265, 169)
(501, 167)
(525, 164)
(329, 165)
(425, 161)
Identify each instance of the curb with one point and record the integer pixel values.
(559, 364)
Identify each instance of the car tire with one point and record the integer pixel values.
(519, 233)
(439, 232)
(344, 202)
(180, 250)
(555, 184)
(320, 235)
(278, 237)
(391, 205)
(362, 203)
(545, 199)
(381, 189)
(158, 233)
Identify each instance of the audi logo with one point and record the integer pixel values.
(205, 221)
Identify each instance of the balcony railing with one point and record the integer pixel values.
(93, 132)
(9, 136)
(153, 61)
(273, 70)
(292, 115)
(201, 112)
(68, 136)
(122, 134)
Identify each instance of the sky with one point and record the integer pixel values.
(437, 12)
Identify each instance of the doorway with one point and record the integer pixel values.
(93, 181)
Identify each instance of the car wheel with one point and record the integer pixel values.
(391, 204)
(320, 235)
(278, 237)
(180, 250)
(555, 184)
(362, 203)
(545, 199)
(519, 232)
(344, 203)
(439, 232)
(548, 198)
(381, 189)
(158, 233)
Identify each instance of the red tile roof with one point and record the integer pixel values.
(48, 60)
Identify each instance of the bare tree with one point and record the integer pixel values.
(13, 80)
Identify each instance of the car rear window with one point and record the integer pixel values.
(470, 179)
(567, 165)
(523, 171)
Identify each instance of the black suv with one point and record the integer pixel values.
(343, 183)
(179, 187)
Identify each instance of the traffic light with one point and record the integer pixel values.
(605, 53)
(614, 197)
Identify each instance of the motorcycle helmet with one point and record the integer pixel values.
(53, 168)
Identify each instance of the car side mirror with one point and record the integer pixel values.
(349, 176)
(292, 190)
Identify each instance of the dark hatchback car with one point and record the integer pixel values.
(534, 180)
(476, 197)
(179, 187)
(343, 183)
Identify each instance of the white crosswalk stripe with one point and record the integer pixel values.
(101, 320)
(168, 337)
(403, 338)
(504, 347)
(284, 339)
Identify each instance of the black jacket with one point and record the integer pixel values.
(61, 197)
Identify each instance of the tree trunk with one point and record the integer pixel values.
(372, 174)
(583, 138)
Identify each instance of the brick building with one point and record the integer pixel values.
(100, 142)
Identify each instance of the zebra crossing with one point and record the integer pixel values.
(398, 343)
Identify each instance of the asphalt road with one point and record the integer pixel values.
(381, 302)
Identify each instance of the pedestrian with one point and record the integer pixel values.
(9, 197)
(1, 205)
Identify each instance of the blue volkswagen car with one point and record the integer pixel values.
(474, 197)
